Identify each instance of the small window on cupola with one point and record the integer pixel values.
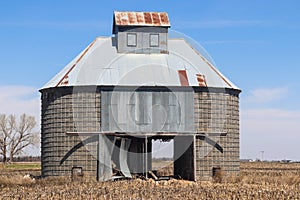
(131, 39)
(154, 40)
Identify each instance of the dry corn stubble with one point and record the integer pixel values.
(257, 181)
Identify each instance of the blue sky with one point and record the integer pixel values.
(255, 43)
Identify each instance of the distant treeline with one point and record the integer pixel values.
(25, 159)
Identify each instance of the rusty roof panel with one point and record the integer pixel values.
(147, 17)
(156, 19)
(164, 18)
(139, 16)
(132, 18)
(141, 19)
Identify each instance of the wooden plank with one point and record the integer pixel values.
(153, 175)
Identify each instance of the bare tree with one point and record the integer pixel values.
(16, 136)
(7, 127)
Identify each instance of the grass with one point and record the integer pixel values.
(21, 166)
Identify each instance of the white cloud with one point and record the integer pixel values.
(20, 99)
(271, 121)
(264, 95)
(274, 131)
(274, 114)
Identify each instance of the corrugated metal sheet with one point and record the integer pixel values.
(124, 147)
(141, 19)
(102, 65)
(104, 157)
(132, 111)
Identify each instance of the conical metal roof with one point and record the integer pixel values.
(100, 64)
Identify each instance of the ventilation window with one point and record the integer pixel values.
(154, 40)
(131, 39)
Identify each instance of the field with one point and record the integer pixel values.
(257, 181)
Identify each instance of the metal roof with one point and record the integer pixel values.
(100, 64)
(141, 19)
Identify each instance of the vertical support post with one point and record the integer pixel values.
(194, 158)
(146, 160)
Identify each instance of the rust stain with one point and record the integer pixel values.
(156, 19)
(184, 81)
(164, 18)
(124, 18)
(201, 80)
(148, 19)
(140, 17)
(132, 18)
(117, 20)
(164, 51)
(64, 80)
